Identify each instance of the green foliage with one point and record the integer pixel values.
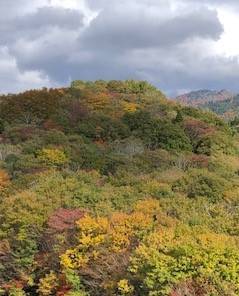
(77, 288)
(103, 128)
(157, 133)
(16, 292)
(179, 117)
(2, 127)
(203, 183)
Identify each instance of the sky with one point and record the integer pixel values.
(178, 45)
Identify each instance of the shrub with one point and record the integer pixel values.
(202, 183)
(16, 292)
(48, 284)
(170, 257)
(52, 157)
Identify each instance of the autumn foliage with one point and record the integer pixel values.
(107, 188)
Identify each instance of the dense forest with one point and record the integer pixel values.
(109, 188)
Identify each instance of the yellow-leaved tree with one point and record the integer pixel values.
(53, 157)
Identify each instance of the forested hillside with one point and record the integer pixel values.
(204, 96)
(228, 109)
(224, 103)
(108, 188)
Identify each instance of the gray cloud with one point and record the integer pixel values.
(170, 45)
(35, 24)
(51, 16)
(183, 68)
(227, 2)
(42, 40)
(13, 79)
(136, 29)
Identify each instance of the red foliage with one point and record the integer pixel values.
(64, 288)
(199, 161)
(13, 284)
(190, 288)
(51, 125)
(64, 219)
(63, 291)
(197, 129)
(62, 222)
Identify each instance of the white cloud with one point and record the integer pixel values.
(12, 79)
(80, 5)
(228, 45)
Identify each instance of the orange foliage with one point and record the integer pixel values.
(94, 100)
(4, 179)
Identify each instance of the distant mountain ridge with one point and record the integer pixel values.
(225, 103)
(202, 97)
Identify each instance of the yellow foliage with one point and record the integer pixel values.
(217, 241)
(119, 232)
(130, 107)
(120, 240)
(113, 234)
(141, 221)
(183, 253)
(92, 234)
(124, 287)
(93, 226)
(92, 231)
(48, 284)
(72, 259)
(87, 240)
(232, 195)
(142, 233)
(148, 207)
(52, 157)
(95, 101)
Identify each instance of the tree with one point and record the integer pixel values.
(179, 117)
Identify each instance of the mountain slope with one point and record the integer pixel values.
(109, 188)
(224, 103)
(202, 97)
(228, 108)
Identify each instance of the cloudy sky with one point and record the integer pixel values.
(178, 45)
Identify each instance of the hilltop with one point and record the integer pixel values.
(109, 188)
